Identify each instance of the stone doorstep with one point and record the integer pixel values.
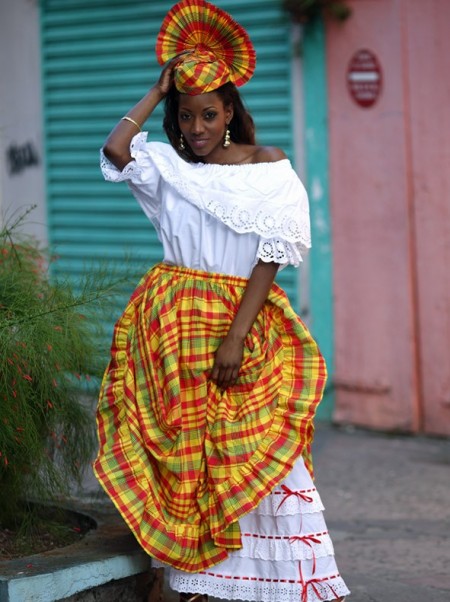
(109, 552)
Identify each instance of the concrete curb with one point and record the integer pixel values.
(107, 553)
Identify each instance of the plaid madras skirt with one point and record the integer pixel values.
(181, 459)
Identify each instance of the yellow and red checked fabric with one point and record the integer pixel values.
(181, 459)
(217, 48)
(199, 73)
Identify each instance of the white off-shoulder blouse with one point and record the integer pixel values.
(217, 218)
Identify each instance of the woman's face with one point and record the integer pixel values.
(203, 120)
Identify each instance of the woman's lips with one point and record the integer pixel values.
(199, 142)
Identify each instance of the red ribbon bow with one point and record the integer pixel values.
(288, 492)
(312, 583)
(307, 539)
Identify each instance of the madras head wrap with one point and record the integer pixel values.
(214, 49)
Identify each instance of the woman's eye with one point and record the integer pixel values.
(184, 116)
(210, 115)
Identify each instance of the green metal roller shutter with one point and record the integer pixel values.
(98, 60)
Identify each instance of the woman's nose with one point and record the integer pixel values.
(197, 125)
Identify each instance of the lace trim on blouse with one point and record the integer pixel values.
(265, 198)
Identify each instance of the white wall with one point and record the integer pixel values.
(21, 116)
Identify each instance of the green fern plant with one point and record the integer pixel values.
(49, 351)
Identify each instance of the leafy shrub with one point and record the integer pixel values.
(49, 351)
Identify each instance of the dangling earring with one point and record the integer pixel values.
(227, 139)
(181, 144)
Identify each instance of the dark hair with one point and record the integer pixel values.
(242, 127)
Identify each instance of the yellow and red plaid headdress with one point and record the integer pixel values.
(217, 49)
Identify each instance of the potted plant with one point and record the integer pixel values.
(50, 357)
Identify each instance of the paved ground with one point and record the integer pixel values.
(387, 502)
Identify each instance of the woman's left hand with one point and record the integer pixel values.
(227, 362)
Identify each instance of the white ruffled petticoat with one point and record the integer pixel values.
(287, 553)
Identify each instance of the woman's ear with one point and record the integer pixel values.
(229, 112)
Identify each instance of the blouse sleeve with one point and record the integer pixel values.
(141, 174)
(280, 251)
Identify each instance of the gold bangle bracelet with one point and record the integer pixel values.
(126, 118)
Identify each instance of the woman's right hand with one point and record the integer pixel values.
(165, 80)
(117, 145)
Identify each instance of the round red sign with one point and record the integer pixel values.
(364, 78)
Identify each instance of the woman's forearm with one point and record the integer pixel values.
(254, 297)
(117, 145)
(228, 358)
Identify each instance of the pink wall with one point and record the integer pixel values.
(428, 68)
(389, 203)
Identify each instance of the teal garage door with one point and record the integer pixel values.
(98, 60)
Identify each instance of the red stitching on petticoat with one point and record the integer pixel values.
(301, 581)
(283, 537)
(299, 490)
(306, 539)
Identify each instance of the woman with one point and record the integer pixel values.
(205, 415)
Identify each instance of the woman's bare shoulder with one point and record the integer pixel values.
(268, 154)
